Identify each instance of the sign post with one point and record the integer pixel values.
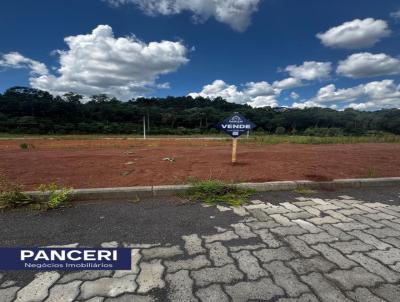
(235, 126)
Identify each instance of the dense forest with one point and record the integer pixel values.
(31, 111)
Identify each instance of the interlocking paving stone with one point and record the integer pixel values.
(302, 298)
(315, 264)
(180, 287)
(258, 225)
(269, 238)
(219, 254)
(299, 215)
(390, 212)
(389, 292)
(135, 258)
(335, 232)
(7, 283)
(276, 210)
(161, 252)
(263, 289)
(375, 267)
(226, 274)
(193, 244)
(289, 230)
(38, 289)
(226, 236)
(352, 211)
(110, 244)
(238, 248)
(291, 207)
(391, 224)
(390, 256)
(369, 239)
(375, 205)
(240, 211)
(282, 220)
(313, 211)
(326, 207)
(212, 293)
(323, 220)
(243, 231)
(285, 278)
(282, 253)
(380, 216)
(365, 208)
(108, 287)
(307, 226)
(249, 265)
(304, 203)
(334, 256)
(84, 275)
(317, 238)
(255, 206)
(350, 226)
(8, 294)
(363, 295)
(187, 264)
(64, 292)
(395, 267)
(127, 298)
(324, 289)
(150, 276)
(339, 216)
(384, 232)
(300, 246)
(355, 277)
(260, 215)
(367, 221)
(349, 247)
(393, 241)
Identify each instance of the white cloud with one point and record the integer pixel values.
(288, 83)
(294, 95)
(255, 94)
(16, 60)
(310, 71)
(396, 15)
(355, 34)
(100, 63)
(371, 96)
(235, 13)
(365, 64)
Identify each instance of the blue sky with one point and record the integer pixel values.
(237, 49)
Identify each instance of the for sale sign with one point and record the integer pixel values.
(236, 125)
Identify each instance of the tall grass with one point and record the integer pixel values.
(298, 139)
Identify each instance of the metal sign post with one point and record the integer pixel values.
(235, 126)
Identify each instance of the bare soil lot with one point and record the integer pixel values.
(120, 162)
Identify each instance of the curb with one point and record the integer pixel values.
(134, 193)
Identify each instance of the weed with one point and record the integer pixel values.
(304, 191)
(372, 173)
(214, 192)
(11, 195)
(24, 146)
(55, 196)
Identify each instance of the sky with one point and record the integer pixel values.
(279, 53)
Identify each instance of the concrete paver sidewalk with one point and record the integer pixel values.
(301, 249)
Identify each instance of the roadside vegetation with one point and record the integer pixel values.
(218, 192)
(12, 196)
(31, 111)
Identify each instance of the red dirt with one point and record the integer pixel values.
(104, 162)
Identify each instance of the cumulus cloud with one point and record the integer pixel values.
(365, 64)
(288, 83)
(310, 70)
(235, 13)
(396, 15)
(355, 34)
(16, 60)
(370, 96)
(100, 63)
(255, 94)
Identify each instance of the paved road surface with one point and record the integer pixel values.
(286, 246)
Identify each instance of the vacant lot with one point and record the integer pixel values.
(130, 162)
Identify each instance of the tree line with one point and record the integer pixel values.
(31, 111)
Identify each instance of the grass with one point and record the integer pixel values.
(216, 192)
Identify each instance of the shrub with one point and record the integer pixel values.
(24, 146)
(214, 191)
(56, 196)
(280, 130)
(11, 195)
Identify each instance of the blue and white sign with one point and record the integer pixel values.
(65, 259)
(236, 125)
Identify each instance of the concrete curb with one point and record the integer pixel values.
(135, 193)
